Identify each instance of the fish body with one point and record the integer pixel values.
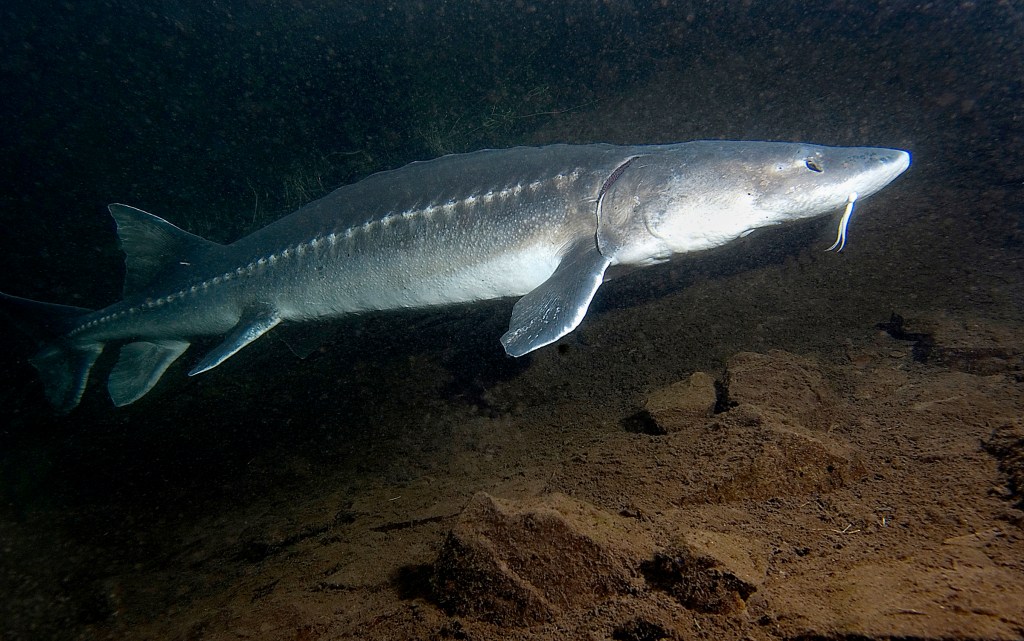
(543, 223)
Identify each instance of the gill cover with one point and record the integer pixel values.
(627, 199)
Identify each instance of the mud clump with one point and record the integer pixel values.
(708, 572)
(1007, 445)
(786, 404)
(773, 413)
(639, 630)
(519, 564)
(779, 462)
(792, 388)
(681, 404)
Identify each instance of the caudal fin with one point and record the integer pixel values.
(65, 372)
(63, 366)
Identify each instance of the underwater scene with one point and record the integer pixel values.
(665, 320)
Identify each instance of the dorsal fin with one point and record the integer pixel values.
(152, 245)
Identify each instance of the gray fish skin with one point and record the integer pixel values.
(544, 223)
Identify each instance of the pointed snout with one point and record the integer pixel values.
(869, 169)
(896, 159)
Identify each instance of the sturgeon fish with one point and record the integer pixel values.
(543, 223)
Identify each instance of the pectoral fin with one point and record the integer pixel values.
(250, 326)
(139, 367)
(558, 305)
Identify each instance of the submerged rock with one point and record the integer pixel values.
(779, 461)
(682, 404)
(791, 387)
(521, 563)
(769, 435)
(708, 571)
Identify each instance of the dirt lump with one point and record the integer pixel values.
(521, 563)
(708, 571)
(681, 404)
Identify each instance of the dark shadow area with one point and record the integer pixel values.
(414, 582)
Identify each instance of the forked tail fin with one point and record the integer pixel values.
(63, 366)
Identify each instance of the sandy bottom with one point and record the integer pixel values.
(869, 498)
(766, 454)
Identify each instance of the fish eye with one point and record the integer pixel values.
(813, 165)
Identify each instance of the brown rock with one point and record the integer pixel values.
(682, 404)
(517, 564)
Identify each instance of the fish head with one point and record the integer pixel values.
(699, 195)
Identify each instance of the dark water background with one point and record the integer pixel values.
(222, 116)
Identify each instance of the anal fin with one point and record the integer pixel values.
(139, 366)
(250, 326)
(557, 306)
